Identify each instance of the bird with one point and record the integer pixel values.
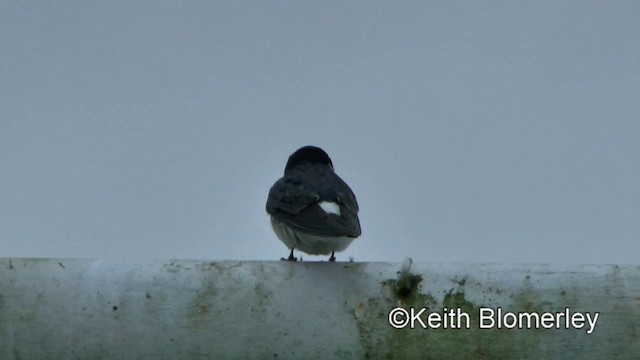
(311, 208)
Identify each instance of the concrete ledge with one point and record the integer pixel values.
(70, 308)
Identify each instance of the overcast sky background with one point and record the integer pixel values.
(470, 131)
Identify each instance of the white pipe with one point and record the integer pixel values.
(64, 308)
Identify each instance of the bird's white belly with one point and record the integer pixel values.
(310, 244)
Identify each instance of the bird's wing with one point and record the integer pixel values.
(295, 205)
(290, 196)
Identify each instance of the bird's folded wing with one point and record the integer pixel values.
(297, 207)
(289, 197)
(315, 221)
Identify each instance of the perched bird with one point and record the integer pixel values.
(312, 209)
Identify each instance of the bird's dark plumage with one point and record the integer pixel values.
(296, 200)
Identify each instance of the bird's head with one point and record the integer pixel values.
(308, 154)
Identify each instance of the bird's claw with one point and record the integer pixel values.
(290, 258)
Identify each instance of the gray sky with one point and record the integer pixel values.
(470, 131)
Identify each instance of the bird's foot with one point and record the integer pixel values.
(290, 258)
